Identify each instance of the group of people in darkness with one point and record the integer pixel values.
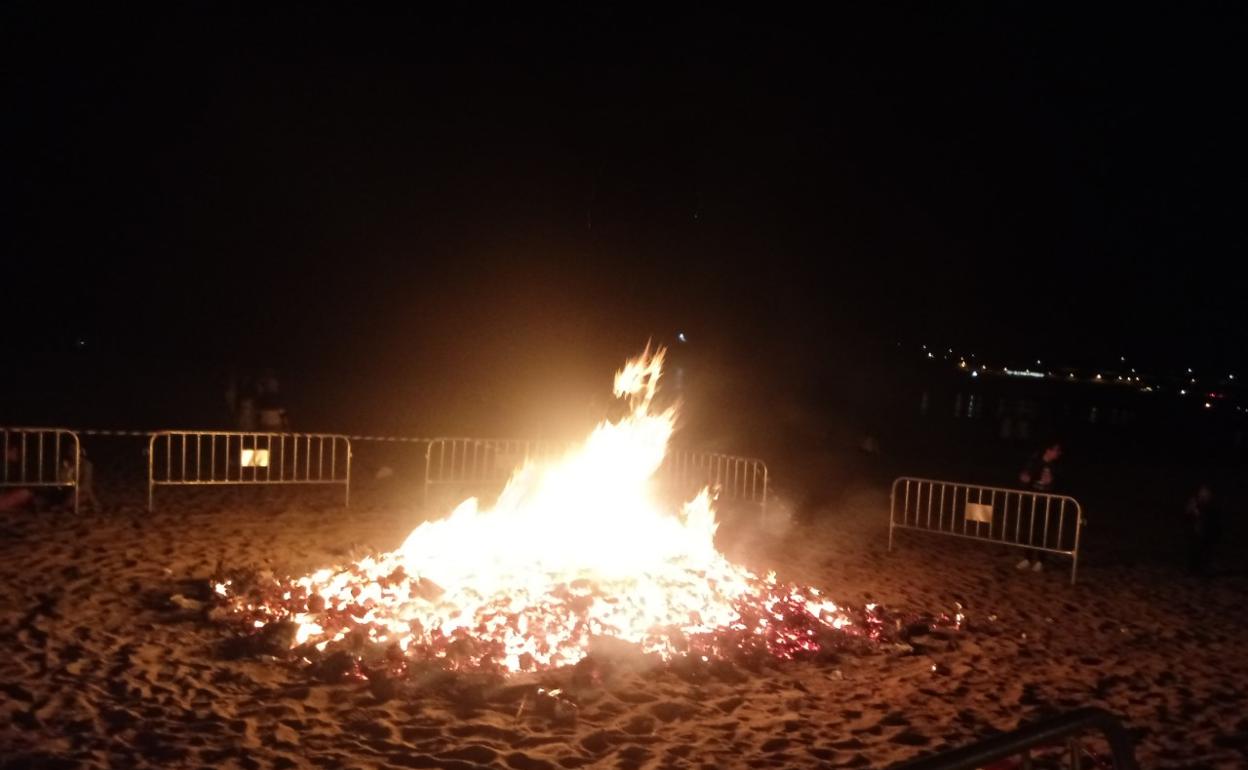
(257, 404)
(1200, 517)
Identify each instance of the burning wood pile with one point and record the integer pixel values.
(577, 557)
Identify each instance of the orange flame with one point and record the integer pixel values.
(575, 548)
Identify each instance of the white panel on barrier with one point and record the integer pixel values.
(254, 458)
(979, 512)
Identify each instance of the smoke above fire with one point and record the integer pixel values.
(575, 550)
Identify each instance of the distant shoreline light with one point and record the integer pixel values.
(1023, 373)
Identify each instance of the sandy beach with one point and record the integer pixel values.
(103, 669)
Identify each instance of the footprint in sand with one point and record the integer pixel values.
(670, 711)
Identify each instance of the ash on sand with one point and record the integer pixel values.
(102, 669)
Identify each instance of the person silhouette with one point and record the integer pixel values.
(1038, 475)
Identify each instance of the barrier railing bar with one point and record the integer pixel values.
(1056, 730)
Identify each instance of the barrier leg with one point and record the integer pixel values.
(346, 494)
(151, 469)
(764, 506)
(891, 503)
(1074, 554)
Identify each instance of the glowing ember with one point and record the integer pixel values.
(575, 550)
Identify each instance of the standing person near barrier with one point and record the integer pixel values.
(234, 392)
(1203, 527)
(1038, 474)
(245, 416)
(85, 479)
(271, 411)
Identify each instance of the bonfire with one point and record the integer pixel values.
(577, 552)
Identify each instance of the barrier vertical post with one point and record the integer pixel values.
(346, 494)
(151, 471)
(1074, 559)
(77, 472)
(892, 512)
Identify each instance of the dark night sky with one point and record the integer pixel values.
(406, 198)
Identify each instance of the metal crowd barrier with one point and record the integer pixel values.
(480, 464)
(41, 457)
(1014, 517)
(471, 464)
(739, 479)
(200, 458)
(1023, 741)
